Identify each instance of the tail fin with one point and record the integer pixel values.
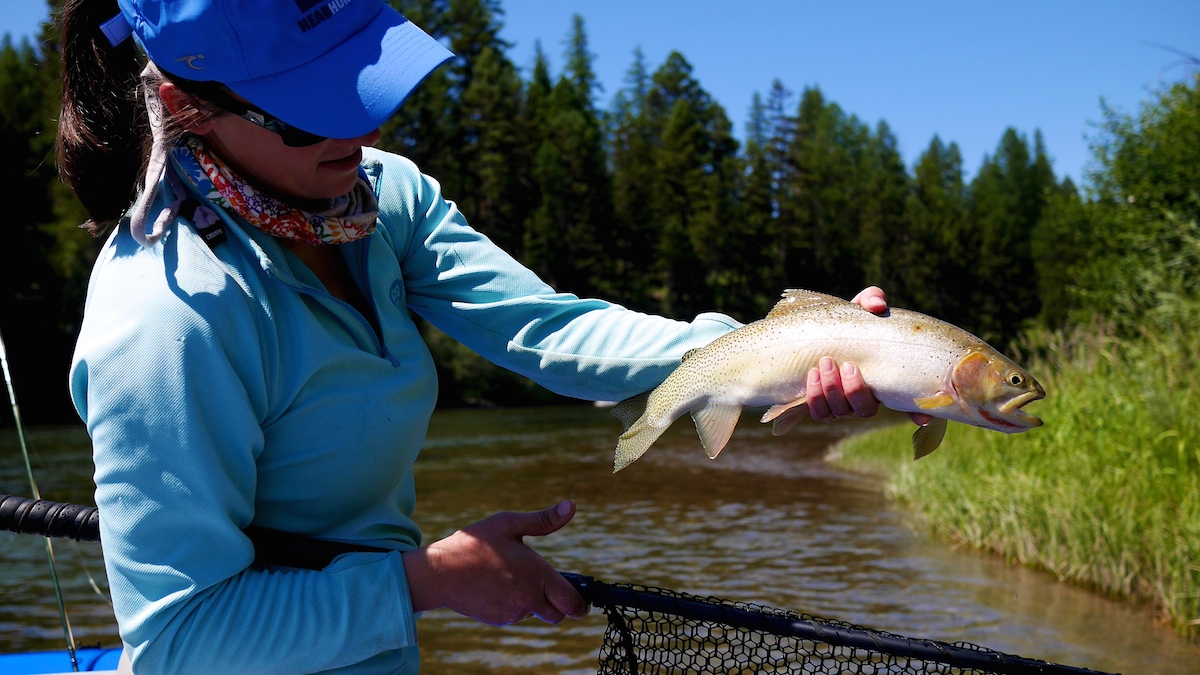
(631, 409)
(634, 443)
(637, 439)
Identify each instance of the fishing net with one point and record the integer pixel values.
(652, 630)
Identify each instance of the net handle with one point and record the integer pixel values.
(49, 519)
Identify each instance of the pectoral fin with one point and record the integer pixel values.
(938, 400)
(788, 419)
(786, 415)
(928, 438)
(777, 410)
(715, 425)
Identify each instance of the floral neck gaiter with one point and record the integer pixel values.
(347, 218)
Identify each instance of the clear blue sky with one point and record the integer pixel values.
(962, 70)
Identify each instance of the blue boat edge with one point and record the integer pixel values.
(90, 660)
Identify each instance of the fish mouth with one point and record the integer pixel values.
(1016, 416)
(1015, 403)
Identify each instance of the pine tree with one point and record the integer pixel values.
(698, 180)
(819, 205)
(1057, 247)
(779, 133)
(531, 127)
(883, 190)
(935, 254)
(425, 128)
(1007, 198)
(679, 161)
(494, 161)
(757, 211)
(739, 249)
(632, 277)
(570, 171)
(428, 128)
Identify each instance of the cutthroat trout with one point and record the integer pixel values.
(910, 361)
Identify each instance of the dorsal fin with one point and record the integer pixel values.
(795, 299)
(688, 354)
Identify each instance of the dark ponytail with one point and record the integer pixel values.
(103, 134)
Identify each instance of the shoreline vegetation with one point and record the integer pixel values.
(1105, 495)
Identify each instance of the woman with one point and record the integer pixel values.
(247, 358)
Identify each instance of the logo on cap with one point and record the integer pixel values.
(190, 60)
(316, 16)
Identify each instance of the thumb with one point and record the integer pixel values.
(544, 522)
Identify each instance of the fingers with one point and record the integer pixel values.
(834, 393)
(540, 523)
(920, 419)
(860, 398)
(824, 390)
(872, 298)
(558, 600)
(564, 599)
(490, 573)
(550, 615)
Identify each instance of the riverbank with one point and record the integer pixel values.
(1106, 494)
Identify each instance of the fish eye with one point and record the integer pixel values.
(1015, 379)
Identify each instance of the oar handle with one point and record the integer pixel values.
(49, 519)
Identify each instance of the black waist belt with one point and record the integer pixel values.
(273, 547)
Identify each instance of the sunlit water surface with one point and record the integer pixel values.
(768, 522)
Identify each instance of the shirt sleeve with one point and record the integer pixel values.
(172, 383)
(468, 287)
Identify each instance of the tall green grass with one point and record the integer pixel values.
(1106, 494)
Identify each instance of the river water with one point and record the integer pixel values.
(768, 522)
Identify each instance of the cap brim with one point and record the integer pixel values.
(355, 87)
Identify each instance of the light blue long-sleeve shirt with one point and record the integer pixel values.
(222, 385)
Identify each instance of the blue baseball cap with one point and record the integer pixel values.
(335, 68)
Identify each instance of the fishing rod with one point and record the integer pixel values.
(16, 411)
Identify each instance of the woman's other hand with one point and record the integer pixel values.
(835, 392)
(487, 572)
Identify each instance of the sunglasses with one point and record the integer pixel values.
(217, 94)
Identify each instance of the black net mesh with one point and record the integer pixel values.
(652, 630)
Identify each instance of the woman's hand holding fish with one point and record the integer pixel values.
(872, 298)
(487, 572)
(835, 393)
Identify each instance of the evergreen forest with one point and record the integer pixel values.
(649, 199)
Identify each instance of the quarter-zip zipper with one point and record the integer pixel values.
(360, 273)
(361, 321)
